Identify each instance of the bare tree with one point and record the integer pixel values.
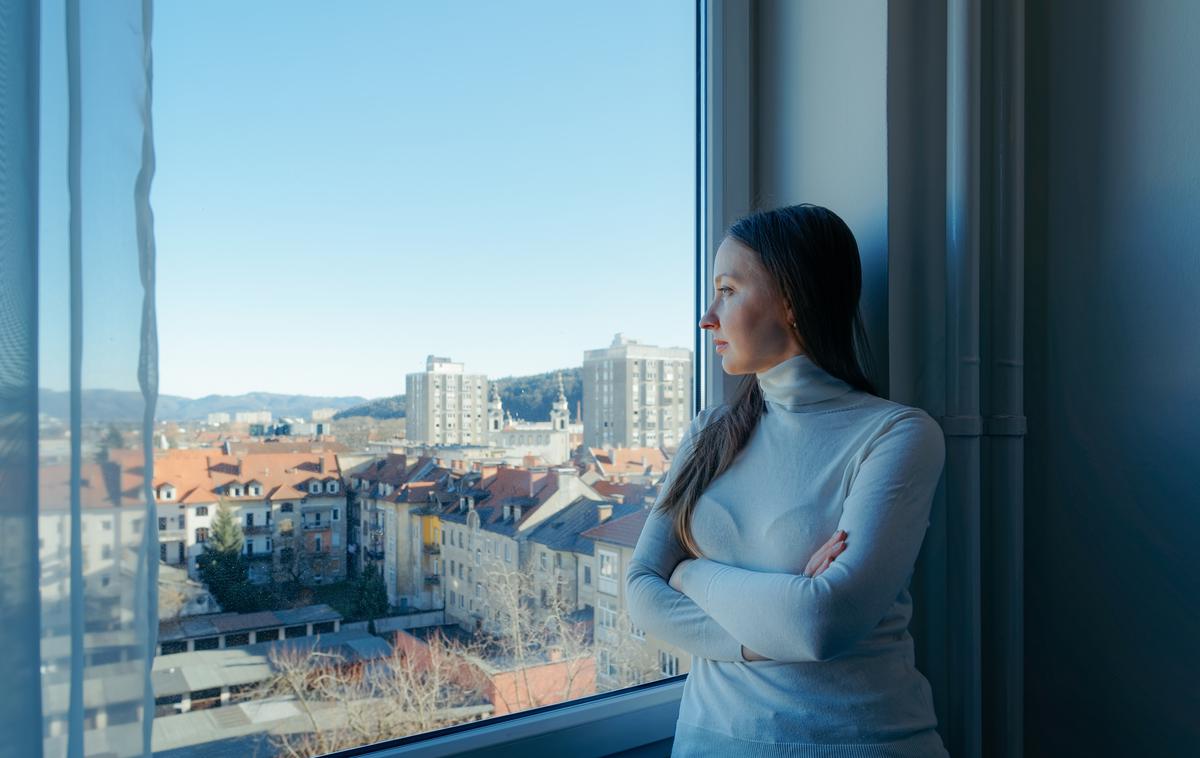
(633, 660)
(345, 704)
(297, 564)
(527, 634)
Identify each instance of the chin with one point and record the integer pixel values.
(732, 367)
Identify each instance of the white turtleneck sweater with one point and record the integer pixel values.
(841, 681)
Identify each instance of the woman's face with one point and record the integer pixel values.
(749, 320)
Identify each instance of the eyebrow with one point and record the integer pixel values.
(727, 276)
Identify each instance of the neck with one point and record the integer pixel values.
(796, 383)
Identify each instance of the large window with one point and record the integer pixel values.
(430, 244)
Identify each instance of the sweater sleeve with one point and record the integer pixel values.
(657, 607)
(790, 617)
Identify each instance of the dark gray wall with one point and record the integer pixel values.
(820, 128)
(1113, 378)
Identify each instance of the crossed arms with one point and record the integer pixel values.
(791, 617)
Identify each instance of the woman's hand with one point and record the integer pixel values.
(676, 580)
(825, 554)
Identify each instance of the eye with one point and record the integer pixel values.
(725, 289)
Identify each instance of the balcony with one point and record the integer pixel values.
(258, 529)
(374, 555)
(313, 525)
(433, 550)
(433, 579)
(264, 556)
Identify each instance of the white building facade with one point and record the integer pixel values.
(636, 395)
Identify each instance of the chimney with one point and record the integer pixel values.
(605, 510)
(228, 447)
(321, 463)
(239, 467)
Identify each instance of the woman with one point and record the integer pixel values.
(799, 639)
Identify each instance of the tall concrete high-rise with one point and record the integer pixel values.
(446, 405)
(636, 395)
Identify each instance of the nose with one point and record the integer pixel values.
(709, 320)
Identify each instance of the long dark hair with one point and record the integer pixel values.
(812, 256)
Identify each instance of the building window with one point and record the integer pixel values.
(587, 575)
(201, 535)
(285, 508)
(201, 510)
(608, 572)
(162, 524)
(336, 514)
(507, 556)
(543, 562)
(606, 616)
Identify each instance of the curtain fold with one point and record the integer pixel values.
(78, 383)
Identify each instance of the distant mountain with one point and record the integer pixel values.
(525, 397)
(121, 405)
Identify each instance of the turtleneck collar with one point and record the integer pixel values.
(797, 382)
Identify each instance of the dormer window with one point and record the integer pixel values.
(235, 491)
(166, 492)
(331, 487)
(314, 487)
(255, 490)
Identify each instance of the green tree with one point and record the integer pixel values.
(371, 600)
(223, 568)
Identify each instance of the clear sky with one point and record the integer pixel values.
(345, 188)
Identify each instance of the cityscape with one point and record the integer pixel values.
(340, 579)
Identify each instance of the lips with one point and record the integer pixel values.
(720, 345)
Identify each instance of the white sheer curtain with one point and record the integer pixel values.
(79, 379)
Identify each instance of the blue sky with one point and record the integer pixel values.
(345, 188)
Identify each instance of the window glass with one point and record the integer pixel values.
(372, 186)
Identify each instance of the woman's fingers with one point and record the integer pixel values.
(825, 554)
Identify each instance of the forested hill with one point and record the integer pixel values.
(525, 397)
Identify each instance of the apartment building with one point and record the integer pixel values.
(485, 528)
(291, 508)
(446, 405)
(621, 647)
(561, 559)
(636, 395)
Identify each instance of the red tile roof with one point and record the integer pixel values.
(620, 531)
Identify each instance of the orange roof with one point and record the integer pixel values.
(631, 460)
(629, 493)
(197, 475)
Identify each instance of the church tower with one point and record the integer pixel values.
(495, 414)
(560, 413)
